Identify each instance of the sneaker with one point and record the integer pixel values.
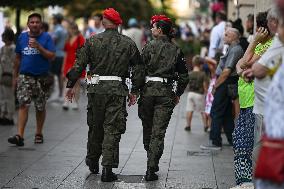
(247, 185)
(210, 147)
(74, 106)
(65, 105)
(206, 129)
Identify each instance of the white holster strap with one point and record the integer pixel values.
(94, 79)
(159, 79)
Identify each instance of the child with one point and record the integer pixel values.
(198, 84)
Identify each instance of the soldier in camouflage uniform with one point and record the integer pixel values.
(110, 56)
(164, 63)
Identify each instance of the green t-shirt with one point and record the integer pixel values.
(261, 48)
(246, 93)
(196, 80)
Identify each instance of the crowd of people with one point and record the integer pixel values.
(232, 79)
(241, 77)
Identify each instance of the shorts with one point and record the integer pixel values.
(30, 89)
(56, 66)
(195, 102)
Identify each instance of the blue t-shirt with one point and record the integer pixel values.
(59, 37)
(32, 62)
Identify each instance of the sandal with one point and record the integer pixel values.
(187, 128)
(16, 139)
(38, 139)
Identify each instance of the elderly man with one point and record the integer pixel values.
(225, 90)
(110, 56)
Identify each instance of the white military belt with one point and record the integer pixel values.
(94, 79)
(159, 79)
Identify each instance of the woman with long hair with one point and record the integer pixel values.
(74, 41)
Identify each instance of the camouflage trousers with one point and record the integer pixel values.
(106, 118)
(155, 113)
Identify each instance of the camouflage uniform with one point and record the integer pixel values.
(155, 107)
(108, 54)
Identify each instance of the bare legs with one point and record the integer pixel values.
(23, 118)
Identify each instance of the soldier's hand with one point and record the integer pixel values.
(131, 99)
(177, 99)
(70, 93)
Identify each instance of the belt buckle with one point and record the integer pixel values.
(93, 80)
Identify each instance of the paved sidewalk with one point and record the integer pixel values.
(59, 162)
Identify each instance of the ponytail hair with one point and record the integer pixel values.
(166, 28)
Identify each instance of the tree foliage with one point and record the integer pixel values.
(141, 10)
(31, 4)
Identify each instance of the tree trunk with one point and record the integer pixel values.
(18, 27)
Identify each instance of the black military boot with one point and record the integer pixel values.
(151, 175)
(108, 175)
(93, 166)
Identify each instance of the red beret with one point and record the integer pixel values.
(157, 18)
(112, 15)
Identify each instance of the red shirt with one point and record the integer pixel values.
(70, 56)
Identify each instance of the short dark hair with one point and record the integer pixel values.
(58, 17)
(8, 34)
(238, 25)
(34, 15)
(100, 16)
(45, 26)
(222, 15)
(250, 17)
(261, 20)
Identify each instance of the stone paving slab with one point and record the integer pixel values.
(59, 162)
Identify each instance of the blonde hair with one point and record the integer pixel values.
(197, 60)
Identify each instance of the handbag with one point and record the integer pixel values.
(6, 79)
(270, 163)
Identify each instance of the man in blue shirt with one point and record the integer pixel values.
(59, 36)
(34, 49)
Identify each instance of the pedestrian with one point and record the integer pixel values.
(59, 35)
(34, 49)
(7, 99)
(269, 168)
(263, 71)
(198, 86)
(243, 135)
(98, 25)
(225, 91)
(163, 60)
(74, 41)
(212, 65)
(217, 33)
(110, 56)
(135, 33)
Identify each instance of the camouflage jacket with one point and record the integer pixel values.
(109, 54)
(163, 58)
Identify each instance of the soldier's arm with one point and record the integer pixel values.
(138, 71)
(182, 71)
(82, 59)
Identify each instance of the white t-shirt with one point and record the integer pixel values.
(274, 103)
(136, 35)
(271, 59)
(216, 38)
